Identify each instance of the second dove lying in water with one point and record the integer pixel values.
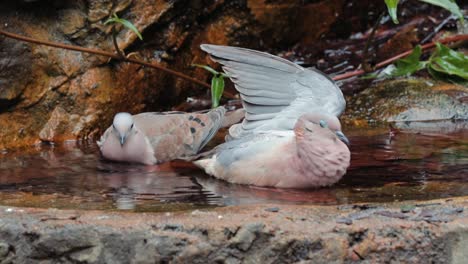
(157, 137)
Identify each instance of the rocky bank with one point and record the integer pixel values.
(410, 232)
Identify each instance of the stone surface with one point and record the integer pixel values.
(406, 100)
(52, 94)
(434, 231)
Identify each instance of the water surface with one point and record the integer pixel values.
(419, 162)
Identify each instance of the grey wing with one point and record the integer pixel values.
(249, 146)
(275, 92)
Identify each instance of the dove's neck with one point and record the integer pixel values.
(139, 147)
(322, 158)
(136, 149)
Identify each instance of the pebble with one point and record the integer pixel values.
(272, 209)
(344, 220)
(407, 208)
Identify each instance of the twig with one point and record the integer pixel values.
(103, 53)
(188, 78)
(438, 28)
(399, 56)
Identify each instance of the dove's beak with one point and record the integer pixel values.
(342, 137)
(122, 140)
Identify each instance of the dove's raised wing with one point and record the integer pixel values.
(275, 92)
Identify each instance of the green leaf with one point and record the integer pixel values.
(126, 23)
(392, 9)
(217, 89)
(450, 5)
(409, 64)
(206, 67)
(217, 84)
(447, 61)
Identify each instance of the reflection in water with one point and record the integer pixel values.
(422, 161)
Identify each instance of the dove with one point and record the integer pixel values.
(291, 136)
(155, 137)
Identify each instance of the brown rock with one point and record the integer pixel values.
(53, 94)
(288, 22)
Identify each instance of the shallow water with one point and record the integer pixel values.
(421, 161)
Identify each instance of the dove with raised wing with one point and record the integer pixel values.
(156, 137)
(291, 136)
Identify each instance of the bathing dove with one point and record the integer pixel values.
(157, 137)
(291, 136)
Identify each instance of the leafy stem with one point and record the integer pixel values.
(116, 45)
(114, 20)
(449, 5)
(217, 84)
(444, 63)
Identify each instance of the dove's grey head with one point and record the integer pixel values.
(123, 126)
(306, 121)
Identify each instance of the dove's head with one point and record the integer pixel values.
(307, 121)
(123, 126)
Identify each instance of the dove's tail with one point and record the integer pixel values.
(217, 116)
(206, 164)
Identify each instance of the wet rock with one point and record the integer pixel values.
(344, 220)
(41, 86)
(4, 249)
(451, 211)
(361, 214)
(246, 236)
(392, 214)
(15, 71)
(302, 21)
(74, 21)
(408, 100)
(64, 242)
(459, 243)
(142, 238)
(298, 250)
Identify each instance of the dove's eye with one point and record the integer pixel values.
(323, 123)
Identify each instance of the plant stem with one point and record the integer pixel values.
(399, 56)
(116, 45)
(365, 60)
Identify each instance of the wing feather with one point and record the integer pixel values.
(275, 92)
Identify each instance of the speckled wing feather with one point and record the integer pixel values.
(275, 92)
(177, 134)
